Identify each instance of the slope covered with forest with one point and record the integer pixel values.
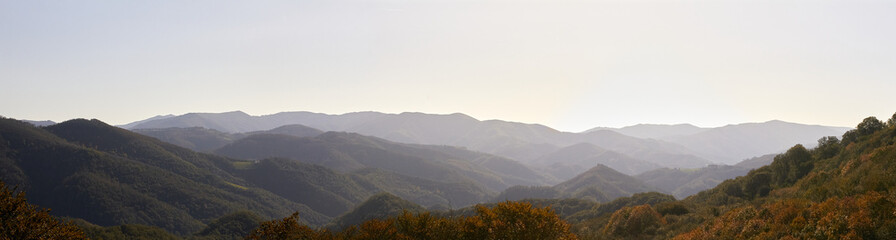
(109, 176)
(86, 169)
(841, 189)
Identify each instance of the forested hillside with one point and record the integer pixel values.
(114, 182)
(109, 176)
(841, 189)
(117, 184)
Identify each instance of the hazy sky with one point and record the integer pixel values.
(571, 65)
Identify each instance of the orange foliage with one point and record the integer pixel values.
(866, 216)
(507, 220)
(633, 221)
(287, 228)
(21, 220)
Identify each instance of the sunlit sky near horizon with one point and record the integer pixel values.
(570, 65)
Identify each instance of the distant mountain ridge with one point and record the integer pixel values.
(206, 140)
(157, 117)
(733, 143)
(655, 131)
(671, 146)
(40, 123)
(519, 141)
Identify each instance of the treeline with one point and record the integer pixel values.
(506, 220)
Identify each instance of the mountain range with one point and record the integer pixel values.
(108, 178)
(672, 146)
(840, 189)
(86, 169)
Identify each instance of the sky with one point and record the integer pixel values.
(570, 65)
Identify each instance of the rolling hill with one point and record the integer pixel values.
(347, 152)
(599, 184)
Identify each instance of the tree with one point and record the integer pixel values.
(426, 226)
(892, 121)
(864, 216)
(506, 220)
(671, 208)
(869, 125)
(287, 228)
(234, 225)
(757, 185)
(850, 136)
(827, 147)
(791, 166)
(21, 220)
(519, 220)
(634, 221)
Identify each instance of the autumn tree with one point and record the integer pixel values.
(792, 165)
(892, 121)
(869, 125)
(634, 221)
(507, 220)
(426, 226)
(21, 220)
(517, 220)
(287, 228)
(374, 229)
(757, 185)
(827, 147)
(866, 216)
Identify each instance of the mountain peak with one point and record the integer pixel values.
(602, 183)
(378, 206)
